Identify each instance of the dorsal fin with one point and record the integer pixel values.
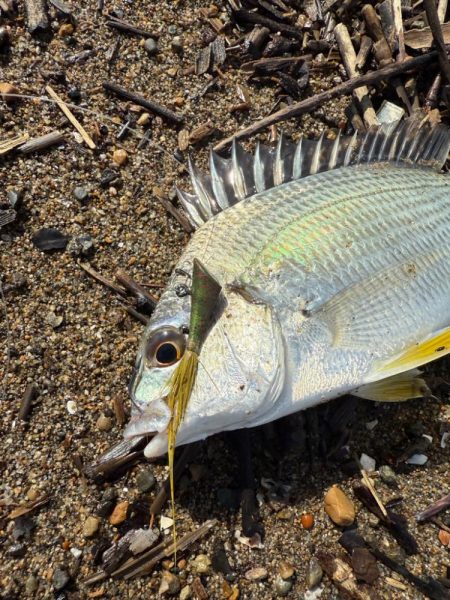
(410, 142)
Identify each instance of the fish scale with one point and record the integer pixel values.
(331, 281)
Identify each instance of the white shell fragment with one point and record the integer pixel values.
(71, 407)
(166, 523)
(367, 462)
(417, 459)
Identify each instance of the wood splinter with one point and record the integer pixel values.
(65, 109)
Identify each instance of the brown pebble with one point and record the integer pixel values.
(339, 507)
(256, 574)
(119, 514)
(104, 423)
(120, 157)
(90, 527)
(286, 570)
(307, 520)
(444, 537)
(33, 494)
(5, 90)
(170, 584)
(65, 30)
(144, 119)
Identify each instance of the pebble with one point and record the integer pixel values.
(166, 522)
(170, 584)
(144, 119)
(14, 197)
(444, 537)
(365, 565)
(81, 193)
(104, 423)
(286, 570)
(71, 407)
(177, 45)
(143, 539)
(31, 584)
(120, 157)
(65, 30)
(80, 245)
(387, 475)
(90, 527)
(367, 462)
(185, 593)
(17, 550)
(151, 47)
(339, 507)
(60, 579)
(145, 480)
(314, 574)
(201, 564)
(256, 574)
(417, 460)
(5, 90)
(281, 586)
(172, 29)
(54, 320)
(119, 514)
(307, 520)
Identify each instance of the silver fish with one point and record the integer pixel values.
(335, 265)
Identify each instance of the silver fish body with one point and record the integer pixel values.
(327, 280)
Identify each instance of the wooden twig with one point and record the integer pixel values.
(246, 16)
(9, 145)
(37, 18)
(136, 314)
(349, 59)
(103, 280)
(119, 411)
(129, 28)
(30, 394)
(42, 142)
(442, 10)
(434, 509)
(179, 216)
(369, 485)
(65, 109)
(435, 26)
(398, 25)
(309, 104)
(162, 111)
(273, 63)
(144, 298)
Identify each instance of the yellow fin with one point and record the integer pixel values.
(398, 388)
(421, 353)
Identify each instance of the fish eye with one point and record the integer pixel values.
(165, 347)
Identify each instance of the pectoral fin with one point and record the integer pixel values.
(398, 388)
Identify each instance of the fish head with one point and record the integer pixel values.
(240, 374)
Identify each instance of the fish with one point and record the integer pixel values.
(333, 264)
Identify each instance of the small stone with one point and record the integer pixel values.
(81, 193)
(90, 527)
(119, 513)
(104, 423)
(74, 94)
(105, 508)
(120, 157)
(151, 47)
(185, 593)
(314, 574)
(60, 579)
(71, 407)
(33, 494)
(110, 494)
(307, 520)
(387, 475)
(31, 584)
(14, 197)
(281, 586)
(444, 537)
(170, 584)
(339, 507)
(256, 574)
(166, 522)
(144, 119)
(201, 564)
(365, 565)
(417, 459)
(80, 245)
(177, 45)
(6, 92)
(373, 521)
(285, 514)
(76, 552)
(286, 570)
(107, 177)
(172, 29)
(17, 550)
(367, 462)
(143, 539)
(54, 320)
(66, 29)
(145, 480)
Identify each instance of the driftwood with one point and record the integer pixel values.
(438, 37)
(419, 39)
(305, 106)
(162, 111)
(65, 109)
(9, 145)
(129, 28)
(42, 142)
(25, 406)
